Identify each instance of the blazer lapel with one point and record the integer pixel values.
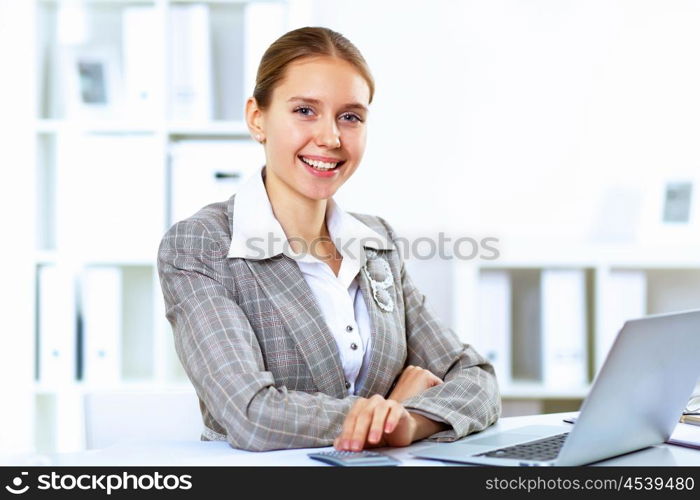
(387, 353)
(285, 287)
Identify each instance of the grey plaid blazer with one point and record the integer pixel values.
(265, 366)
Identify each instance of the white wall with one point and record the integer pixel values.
(510, 117)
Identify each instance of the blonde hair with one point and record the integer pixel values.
(298, 44)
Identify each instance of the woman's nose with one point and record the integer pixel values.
(328, 134)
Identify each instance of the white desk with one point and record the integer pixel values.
(200, 453)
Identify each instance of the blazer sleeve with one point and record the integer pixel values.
(221, 355)
(468, 399)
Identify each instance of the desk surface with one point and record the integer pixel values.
(200, 453)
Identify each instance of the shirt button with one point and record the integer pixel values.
(353, 346)
(348, 328)
(347, 384)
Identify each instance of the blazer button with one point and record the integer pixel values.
(348, 328)
(353, 346)
(347, 384)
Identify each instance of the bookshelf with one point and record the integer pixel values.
(615, 284)
(119, 86)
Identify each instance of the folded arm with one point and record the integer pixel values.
(221, 355)
(468, 400)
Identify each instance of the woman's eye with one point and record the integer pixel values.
(303, 110)
(351, 117)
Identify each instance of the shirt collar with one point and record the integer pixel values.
(256, 234)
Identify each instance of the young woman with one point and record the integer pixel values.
(296, 321)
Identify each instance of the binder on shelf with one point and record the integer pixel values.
(526, 325)
(109, 196)
(208, 171)
(623, 297)
(101, 305)
(494, 322)
(140, 60)
(190, 63)
(564, 328)
(228, 48)
(139, 341)
(57, 325)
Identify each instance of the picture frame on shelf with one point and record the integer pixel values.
(677, 202)
(671, 210)
(91, 79)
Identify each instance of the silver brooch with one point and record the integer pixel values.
(379, 275)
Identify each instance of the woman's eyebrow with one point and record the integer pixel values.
(311, 100)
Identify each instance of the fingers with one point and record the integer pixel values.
(412, 372)
(377, 426)
(346, 440)
(418, 377)
(367, 421)
(363, 419)
(396, 412)
(401, 428)
(434, 379)
(413, 381)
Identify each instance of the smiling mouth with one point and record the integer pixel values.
(321, 165)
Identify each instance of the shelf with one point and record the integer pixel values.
(518, 254)
(54, 257)
(230, 2)
(46, 257)
(233, 129)
(154, 2)
(534, 390)
(135, 387)
(48, 126)
(114, 2)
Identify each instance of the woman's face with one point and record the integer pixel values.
(317, 115)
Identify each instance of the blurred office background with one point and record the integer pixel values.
(568, 130)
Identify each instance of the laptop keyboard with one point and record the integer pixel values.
(541, 450)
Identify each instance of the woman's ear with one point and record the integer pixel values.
(255, 119)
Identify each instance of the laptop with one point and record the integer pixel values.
(635, 402)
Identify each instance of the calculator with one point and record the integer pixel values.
(362, 458)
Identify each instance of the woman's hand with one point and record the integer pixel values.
(376, 422)
(413, 381)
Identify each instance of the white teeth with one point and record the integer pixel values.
(319, 165)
